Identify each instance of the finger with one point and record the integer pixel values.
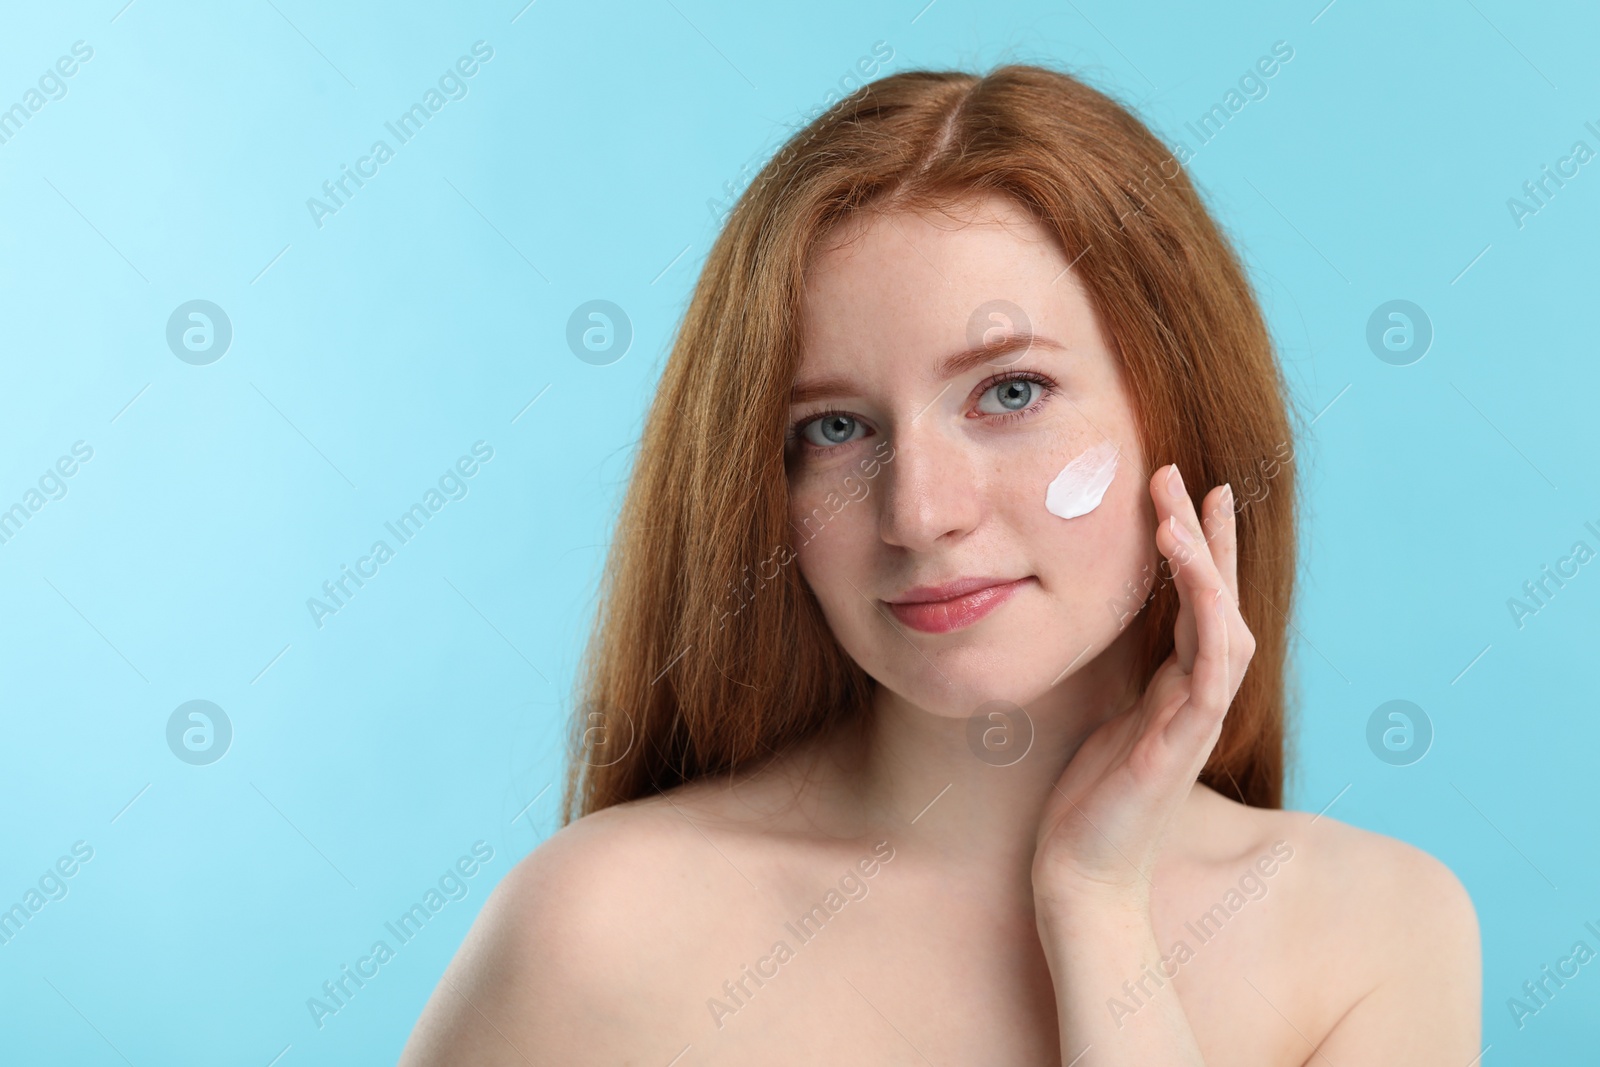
(1222, 533)
(1195, 569)
(1193, 730)
(1181, 551)
(1216, 561)
(1221, 526)
(1181, 505)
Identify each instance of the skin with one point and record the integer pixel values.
(1005, 907)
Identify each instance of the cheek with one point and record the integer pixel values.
(1088, 558)
(834, 555)
(829, 528)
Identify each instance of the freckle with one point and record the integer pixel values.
(1082, 483)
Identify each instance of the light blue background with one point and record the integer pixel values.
(587, 162)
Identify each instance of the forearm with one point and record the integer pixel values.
(1113, 1002)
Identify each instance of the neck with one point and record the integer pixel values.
(928, 780)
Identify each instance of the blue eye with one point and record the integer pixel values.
(1013, 394)
(1018, 394)
(829, 429)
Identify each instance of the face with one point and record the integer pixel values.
(909, 471)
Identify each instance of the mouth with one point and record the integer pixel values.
(954, 605)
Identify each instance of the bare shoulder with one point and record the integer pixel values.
(1395, 935)
(1397, 897)
(564, 962)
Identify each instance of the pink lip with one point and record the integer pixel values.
(941, 609)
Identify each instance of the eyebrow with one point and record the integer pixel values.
(948, 367)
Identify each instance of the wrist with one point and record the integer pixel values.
(1064, 898)
(1093, 911)
(1113, 987)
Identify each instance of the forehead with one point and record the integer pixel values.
(924, 282)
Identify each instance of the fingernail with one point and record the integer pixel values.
(1174, 480)
(1179, 530)
(1227, 495)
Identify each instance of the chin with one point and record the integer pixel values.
(1012, 664)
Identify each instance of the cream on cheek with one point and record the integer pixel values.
(1082, 483)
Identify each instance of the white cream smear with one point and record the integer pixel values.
(1078, 489)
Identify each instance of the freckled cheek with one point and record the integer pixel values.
(832, 531)
(835, 557)
(1089, 557)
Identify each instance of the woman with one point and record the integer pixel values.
(935, 708)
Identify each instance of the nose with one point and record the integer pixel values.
(932, 497)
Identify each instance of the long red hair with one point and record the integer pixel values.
(686, 673)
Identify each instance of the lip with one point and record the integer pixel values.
(953, 605)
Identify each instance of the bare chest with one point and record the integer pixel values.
(917, 975)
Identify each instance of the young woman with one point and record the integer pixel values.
(935, 709)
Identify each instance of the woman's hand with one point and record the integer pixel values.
(1103, 826)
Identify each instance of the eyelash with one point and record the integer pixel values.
(1047, 390)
